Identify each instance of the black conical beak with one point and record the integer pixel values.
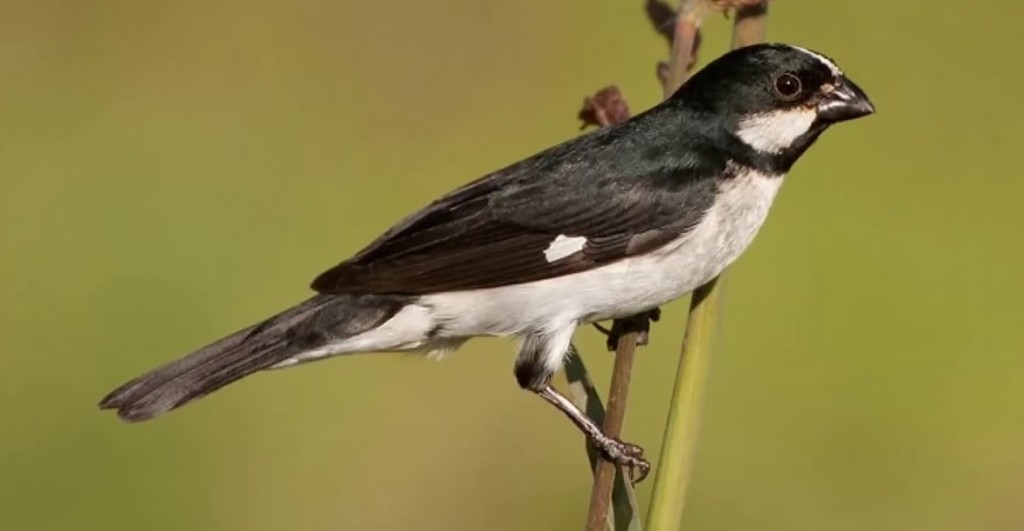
(846, 102)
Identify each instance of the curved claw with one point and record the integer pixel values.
(627, 455)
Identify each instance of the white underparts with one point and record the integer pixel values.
(775, 131)
(563, 246)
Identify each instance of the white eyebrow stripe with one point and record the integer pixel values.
(824, 60)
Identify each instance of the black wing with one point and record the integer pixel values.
(625, 189)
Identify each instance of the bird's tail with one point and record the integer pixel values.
(317, 323)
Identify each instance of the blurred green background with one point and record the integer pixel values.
(172, 171)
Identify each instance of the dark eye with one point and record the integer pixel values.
(787, 86)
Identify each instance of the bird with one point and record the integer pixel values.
(608, 225)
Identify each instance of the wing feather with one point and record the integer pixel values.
(495, 231)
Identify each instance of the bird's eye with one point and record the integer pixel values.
(787, 86)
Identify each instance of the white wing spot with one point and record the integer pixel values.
(775, 131)
(824, 60)
(563, 246)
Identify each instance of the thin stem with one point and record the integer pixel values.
(675, 465)
(624, 514)
(679, 445)
(604, 473)
(606, 108)
(749, 26)
(684, 47)
(685, 40)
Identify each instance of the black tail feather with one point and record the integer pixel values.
(192, 377)
(137, 386)
(309, 325)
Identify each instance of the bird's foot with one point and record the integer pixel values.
(624, 454)
(640, 323)
(621, 453)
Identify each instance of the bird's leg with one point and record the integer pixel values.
(616, 451)
(639, 323)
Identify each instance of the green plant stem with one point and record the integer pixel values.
(679, 445)
(675, 466)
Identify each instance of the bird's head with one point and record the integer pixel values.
(775, 98)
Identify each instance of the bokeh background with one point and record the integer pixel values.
(172, 171)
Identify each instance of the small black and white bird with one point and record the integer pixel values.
(608, 225)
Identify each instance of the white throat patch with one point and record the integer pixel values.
(775, 131)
